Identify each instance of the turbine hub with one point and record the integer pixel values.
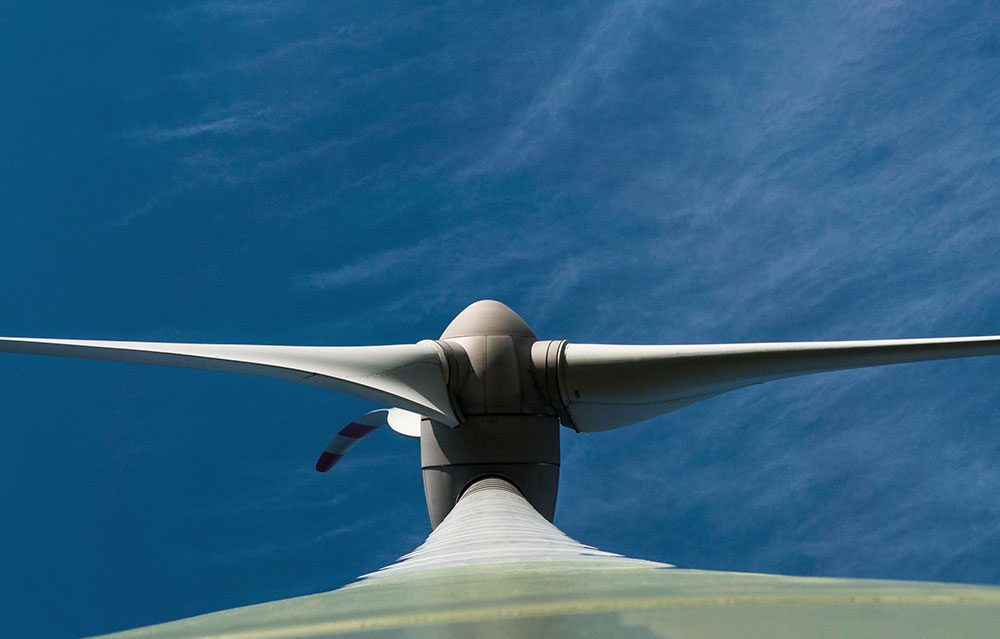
(488, 317)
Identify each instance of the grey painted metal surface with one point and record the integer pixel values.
(492, 394)
(488, 362)
(408, 376)
(510, 426)
(491, 524)
(607, 386)
(522, 448)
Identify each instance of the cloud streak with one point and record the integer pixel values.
(659, 174)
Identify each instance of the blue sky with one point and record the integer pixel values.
(356, 173)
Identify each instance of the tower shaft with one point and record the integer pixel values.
(523, 449)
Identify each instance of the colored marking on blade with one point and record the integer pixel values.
(357, 430)
(340, 444)
(327, 461)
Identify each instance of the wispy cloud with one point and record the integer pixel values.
(654, 173)
(594, 62)
(378, 265)
(245, 11)
(239, 120)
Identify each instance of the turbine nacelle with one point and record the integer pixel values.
(496, 377)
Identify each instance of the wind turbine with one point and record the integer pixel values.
(486, 400)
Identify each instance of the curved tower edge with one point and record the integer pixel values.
(493, 523)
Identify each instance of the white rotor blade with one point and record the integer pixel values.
(408, 376)
(606, 386)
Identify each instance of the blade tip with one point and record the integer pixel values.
(327, 461)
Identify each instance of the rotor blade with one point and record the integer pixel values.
(408, 376)
(606, 386)
(349, 436)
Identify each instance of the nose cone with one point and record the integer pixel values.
(487, 317)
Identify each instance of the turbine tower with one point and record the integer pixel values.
(486, 401)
